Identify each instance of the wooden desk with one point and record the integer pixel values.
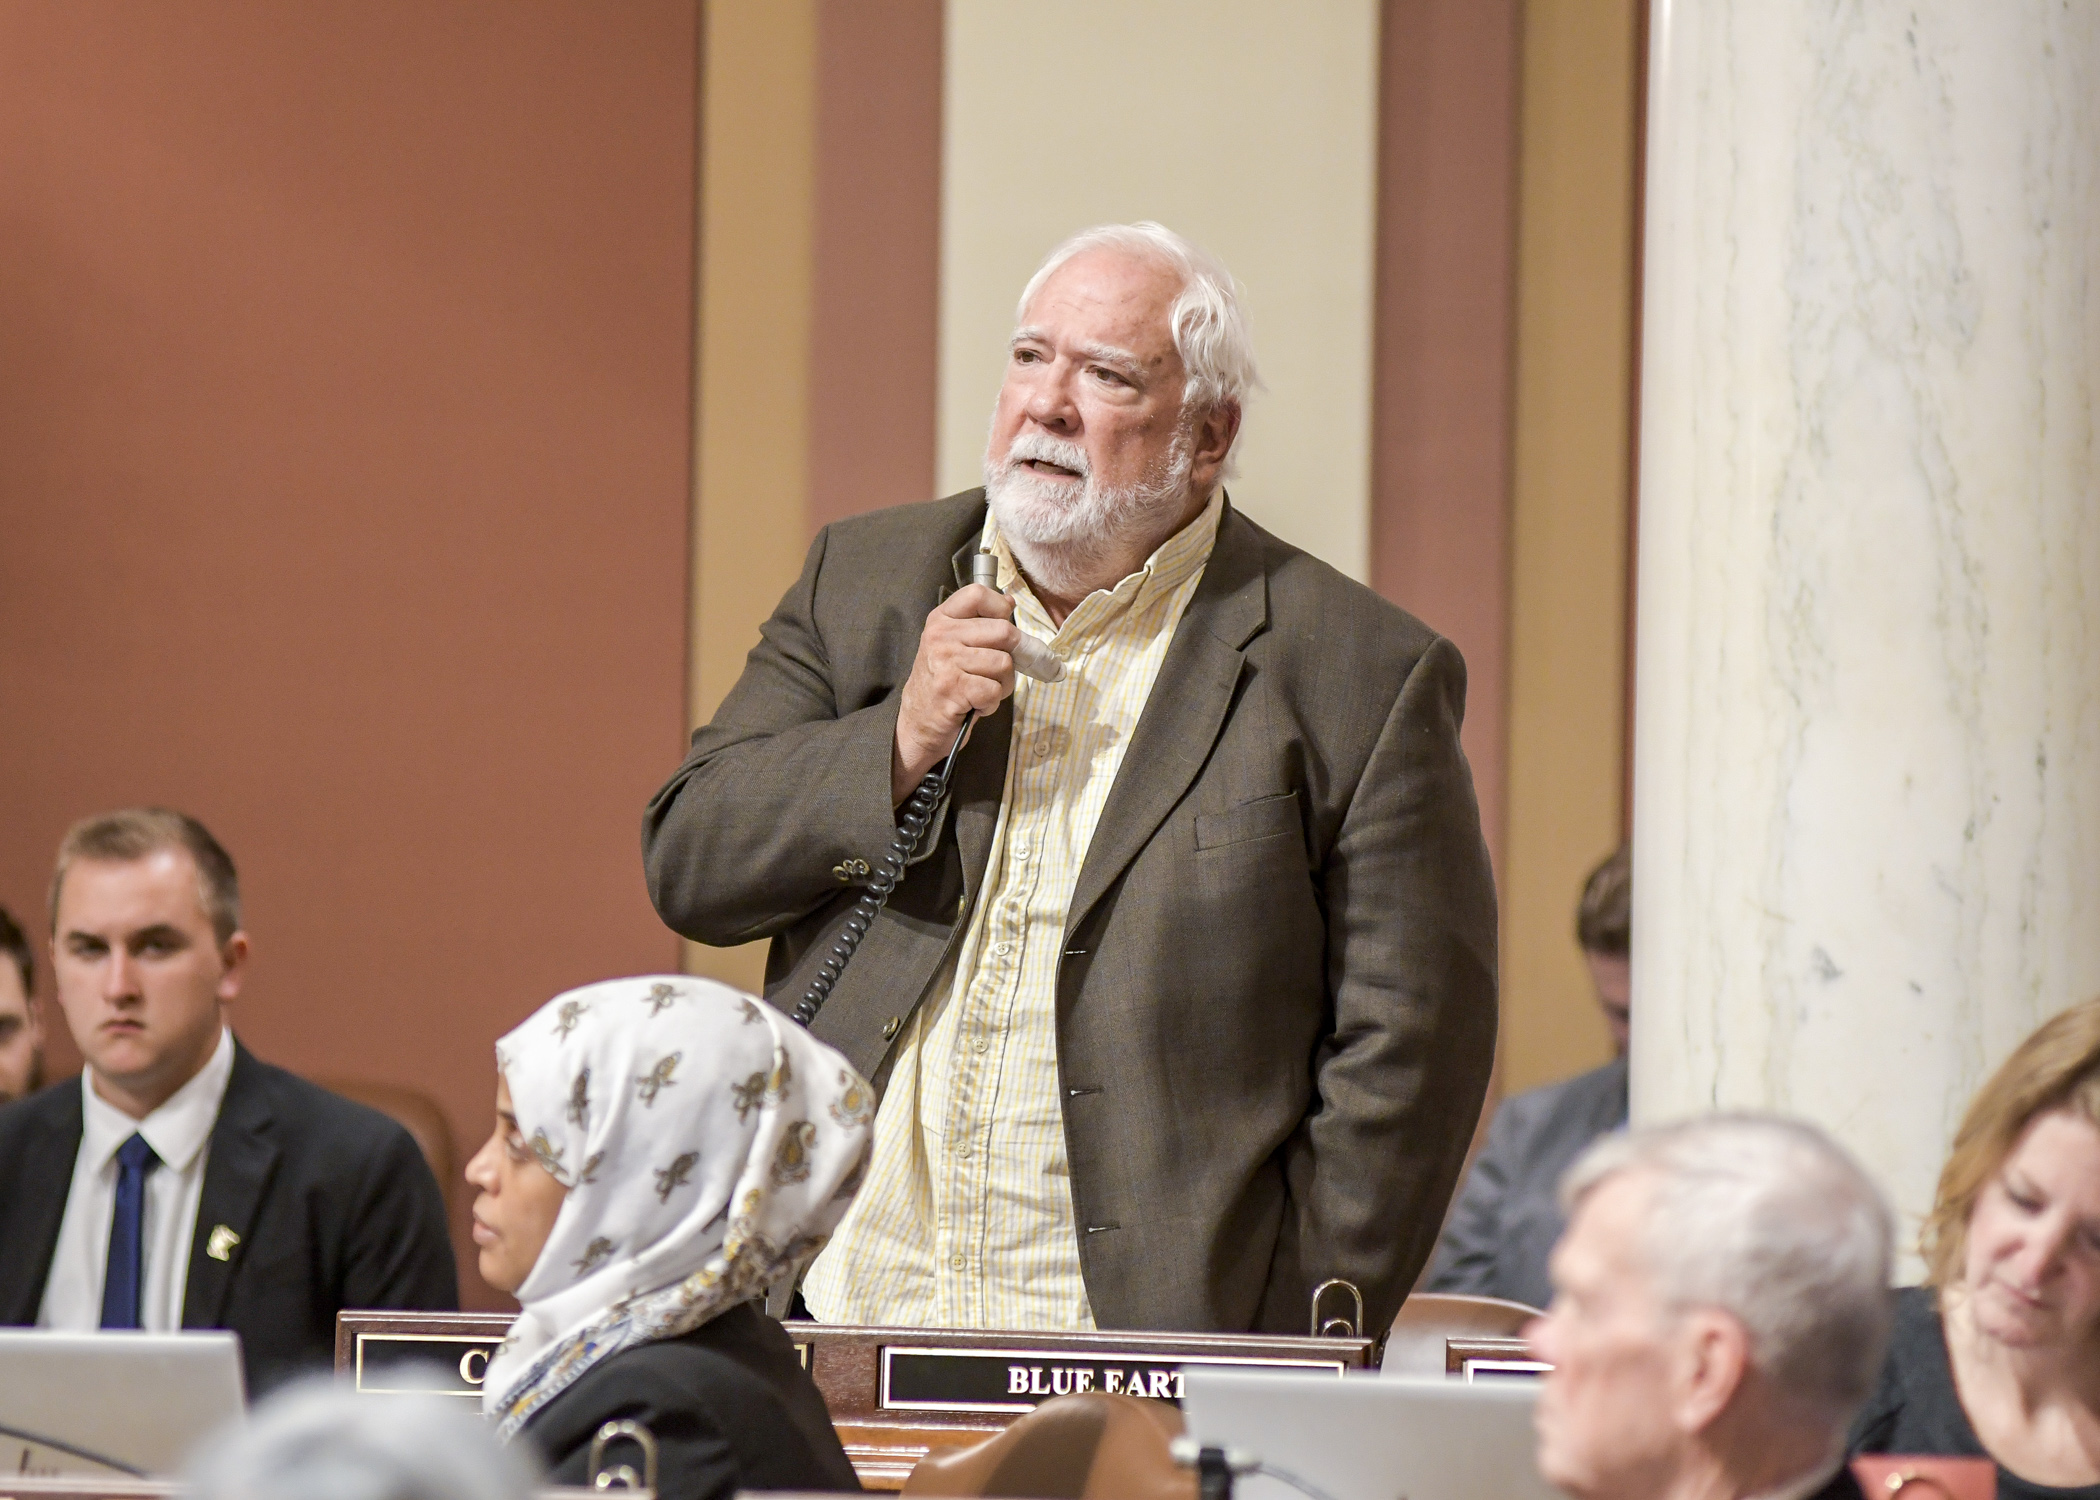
(119, 1487)
(895, 1394)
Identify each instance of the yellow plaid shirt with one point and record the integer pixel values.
(965, 1218)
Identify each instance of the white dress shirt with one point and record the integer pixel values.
(179, 1131)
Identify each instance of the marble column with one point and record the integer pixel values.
(1867, 746)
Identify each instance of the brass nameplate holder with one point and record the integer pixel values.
(1020, 1379)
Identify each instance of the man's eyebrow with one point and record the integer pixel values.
(1115, 358)
(1101, 354)
(159, 932)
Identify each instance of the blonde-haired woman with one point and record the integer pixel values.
(1999, 1354)
(664, 1148)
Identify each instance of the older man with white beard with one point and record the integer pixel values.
(1186, 1000)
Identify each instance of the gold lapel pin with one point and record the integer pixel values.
(219, 1245)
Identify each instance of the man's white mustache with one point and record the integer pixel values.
(1046, 449)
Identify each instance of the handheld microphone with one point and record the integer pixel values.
(1030, 656)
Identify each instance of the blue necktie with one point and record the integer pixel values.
(127, 1250)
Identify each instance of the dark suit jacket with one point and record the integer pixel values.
(1843, 1485)
(1508, 1219)
(1276, 1004)
(334, 1205)
(729, 1404)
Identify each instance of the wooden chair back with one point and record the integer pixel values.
(1415, 1346)
(415, 1113)
(1088, 1447)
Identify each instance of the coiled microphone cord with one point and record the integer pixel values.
(911, 828)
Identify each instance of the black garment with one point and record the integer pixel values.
(1508, 1216)
(334, 1205)
(730, 1405)
(1916, 1408)
(1844, 1485)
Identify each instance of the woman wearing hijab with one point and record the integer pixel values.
(664, 1149)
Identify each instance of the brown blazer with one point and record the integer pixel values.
(1276, 1009)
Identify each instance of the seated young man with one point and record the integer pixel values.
(21, 1020)
(1507, 1217)
(182, 1183)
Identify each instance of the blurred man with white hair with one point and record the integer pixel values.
(317, 1439)
(1720, 1308)
(1185, 1000)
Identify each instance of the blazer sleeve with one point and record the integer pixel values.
(1399, 1083)
(399, 1252)
(784, 784)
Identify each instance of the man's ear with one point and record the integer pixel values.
(1215, 432)
(1710, 1360)
(233, 964)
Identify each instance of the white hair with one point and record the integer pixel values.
(318, 1440)
(1770, 1220)
(1210, 330)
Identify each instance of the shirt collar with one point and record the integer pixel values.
(1171, 564)
(176, 1131)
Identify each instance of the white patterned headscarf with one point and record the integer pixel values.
(709, 1144)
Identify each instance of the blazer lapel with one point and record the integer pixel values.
(1188, 704)
(43, 1182)
(236, 1174)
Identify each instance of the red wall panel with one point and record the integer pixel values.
(345, 428)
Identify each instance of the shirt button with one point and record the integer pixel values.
(1042, 746)
(983, 1044)
(1002, 949)
(963, 1151)
(958, 1261)
(1021, 852)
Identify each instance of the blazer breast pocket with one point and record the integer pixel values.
(1269, 818)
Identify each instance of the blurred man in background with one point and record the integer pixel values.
(184, 1184)
(1720, 1308)
(1508, 1214)
(21, 1018)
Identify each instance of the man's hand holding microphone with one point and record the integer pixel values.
(968, 654)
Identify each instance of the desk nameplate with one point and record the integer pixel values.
(1470, 1356)
(1020, 1379)
(848, 1366)
(444, 1364)
(450, 1356)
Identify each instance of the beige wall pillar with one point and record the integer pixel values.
(1575, 289)
(758, 142)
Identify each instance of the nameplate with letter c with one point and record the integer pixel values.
(952, 1379)
(421, 1364)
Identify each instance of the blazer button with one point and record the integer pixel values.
(890, 1028)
